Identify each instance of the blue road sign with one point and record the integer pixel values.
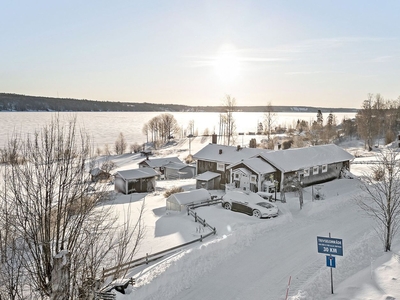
(330, 261)
(330, 246)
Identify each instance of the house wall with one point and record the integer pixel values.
(213, 184)
(332, 172)
(203, 166)
(254, 186)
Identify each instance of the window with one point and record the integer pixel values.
(236, 175)
(220, 167)
(306, 172)
(315, 170)
(324, 168)
(253, 178)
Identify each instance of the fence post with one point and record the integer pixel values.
(147, 258)
(215, 231)
(204, 223)
(201, 237)
(188, 210)
(195, 216)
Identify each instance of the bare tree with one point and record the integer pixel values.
(381, 199)
(269, 119)
(145, 131)
(169, 126)
(120, 144)
(11, 257)
(49, 211)
(366, 122)
(227, 121)
(292, 183)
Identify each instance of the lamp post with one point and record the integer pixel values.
(276, 186)
(189, 137)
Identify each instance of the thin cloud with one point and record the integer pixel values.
(326, 43)
(211, 60)
(382, 59)
(303, 73)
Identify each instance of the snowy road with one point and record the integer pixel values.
(284, 247)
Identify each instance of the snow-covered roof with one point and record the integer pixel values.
(244, 171)
(227, 154)
(208, 175)
(177, 166)
(159, 162)
(137, 173)
(256, 164)
(300, 158)
(190, 197)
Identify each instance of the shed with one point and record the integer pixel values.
(208, 180)
(158, 164)
(136, 180)
(97, 174)
(174, 170)
(180, 201)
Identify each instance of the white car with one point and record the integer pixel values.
(250, 204)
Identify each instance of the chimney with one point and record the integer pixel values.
(214, 138)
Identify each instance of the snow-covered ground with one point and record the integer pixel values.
(250, 258)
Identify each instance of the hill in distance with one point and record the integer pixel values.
(16, 102)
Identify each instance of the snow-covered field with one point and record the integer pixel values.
(250, 258)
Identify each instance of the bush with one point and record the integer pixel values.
(173, 190)
(189, 159)
(135, 148)
(287, 144)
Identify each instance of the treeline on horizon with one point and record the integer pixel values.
(17, 102)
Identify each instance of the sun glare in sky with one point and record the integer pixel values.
(227, 64)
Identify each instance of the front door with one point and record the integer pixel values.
(245, 182)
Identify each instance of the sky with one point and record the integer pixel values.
(311, 53)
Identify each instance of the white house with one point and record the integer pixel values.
(252, 174)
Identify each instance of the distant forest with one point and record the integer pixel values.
(16, 102)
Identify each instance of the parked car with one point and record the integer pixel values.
(250, 204)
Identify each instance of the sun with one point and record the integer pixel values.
(227, 64)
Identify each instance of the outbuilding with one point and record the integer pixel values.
(135, 180)
(176, 170)
(180, 201)
(208, 180)
(159, 164)
(97, 174)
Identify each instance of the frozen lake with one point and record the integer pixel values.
(104, 127)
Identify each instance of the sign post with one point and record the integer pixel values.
(330, 246)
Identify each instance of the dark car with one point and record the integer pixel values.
(250, 204)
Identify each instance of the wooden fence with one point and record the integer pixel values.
(122, 268)
(104, 296)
